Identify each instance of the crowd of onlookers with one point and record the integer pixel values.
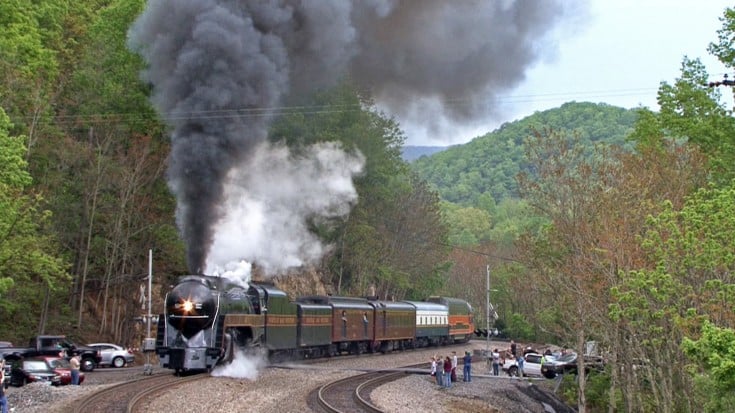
(445, 370)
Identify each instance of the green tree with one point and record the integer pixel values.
(467, 226)
(689, 281)
(713, 366)
(693, 111)
(103, 170)
(30, 262)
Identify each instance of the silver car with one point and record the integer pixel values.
(531, 365)
(113, 355)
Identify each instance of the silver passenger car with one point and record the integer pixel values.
(113, 355)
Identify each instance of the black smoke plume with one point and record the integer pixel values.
(221, 68)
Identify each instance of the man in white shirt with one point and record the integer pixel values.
(496, 362)
(454, 367)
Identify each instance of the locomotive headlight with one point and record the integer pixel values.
(187, 306)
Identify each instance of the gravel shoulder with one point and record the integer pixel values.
(482, 395)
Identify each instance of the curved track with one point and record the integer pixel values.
(128, 397)
(352, 394)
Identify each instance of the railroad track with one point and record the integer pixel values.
(352, 394)
(128, 397)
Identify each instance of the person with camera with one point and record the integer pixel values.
(3, 398)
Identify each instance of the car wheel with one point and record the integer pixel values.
(87, 364)
(513, 371)
(118, 362)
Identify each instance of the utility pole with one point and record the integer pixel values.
(487, 315)
(149, 344)
(150, 285)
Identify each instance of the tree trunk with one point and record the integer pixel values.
(44, 312)
(581, 377)
(90, 226)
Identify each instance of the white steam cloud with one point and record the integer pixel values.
(270, 203)
(242, 367)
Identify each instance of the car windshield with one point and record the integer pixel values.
(59, 363)
(35, 365)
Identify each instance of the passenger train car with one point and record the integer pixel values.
(207, 318)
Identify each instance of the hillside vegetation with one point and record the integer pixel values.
(488, 165)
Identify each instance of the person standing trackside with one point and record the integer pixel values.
(496, 363)
(520, 360)
(3, 398)
(74, 364)
(454, 367)
(439, 372)
(447, 372)
(467, 371)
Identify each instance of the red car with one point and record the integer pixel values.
(53, 370)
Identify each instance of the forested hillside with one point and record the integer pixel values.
(488, 165)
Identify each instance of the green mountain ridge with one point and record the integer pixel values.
(410, 153)
(489, 164)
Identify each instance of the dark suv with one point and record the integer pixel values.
(567, 363)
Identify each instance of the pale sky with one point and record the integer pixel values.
(619, 55)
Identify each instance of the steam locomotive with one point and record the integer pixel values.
(207, 318)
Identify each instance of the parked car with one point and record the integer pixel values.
(113, 355)
(531, 365)
(567, 363)
(33, 370)
(53, 345)
(562, 364)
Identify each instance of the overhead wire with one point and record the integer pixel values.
(266, 112)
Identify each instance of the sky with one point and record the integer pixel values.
(618, 53)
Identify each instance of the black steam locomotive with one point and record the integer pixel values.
(207, 318)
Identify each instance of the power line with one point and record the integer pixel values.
(274, 111)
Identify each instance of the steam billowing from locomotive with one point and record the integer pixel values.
(220, 69)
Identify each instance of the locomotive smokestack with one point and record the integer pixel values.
(220, 68)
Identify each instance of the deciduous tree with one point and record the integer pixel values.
(30, 264)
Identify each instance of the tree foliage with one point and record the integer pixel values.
(713, 355)
(596, 207)
(31, 266)
(690, 280)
